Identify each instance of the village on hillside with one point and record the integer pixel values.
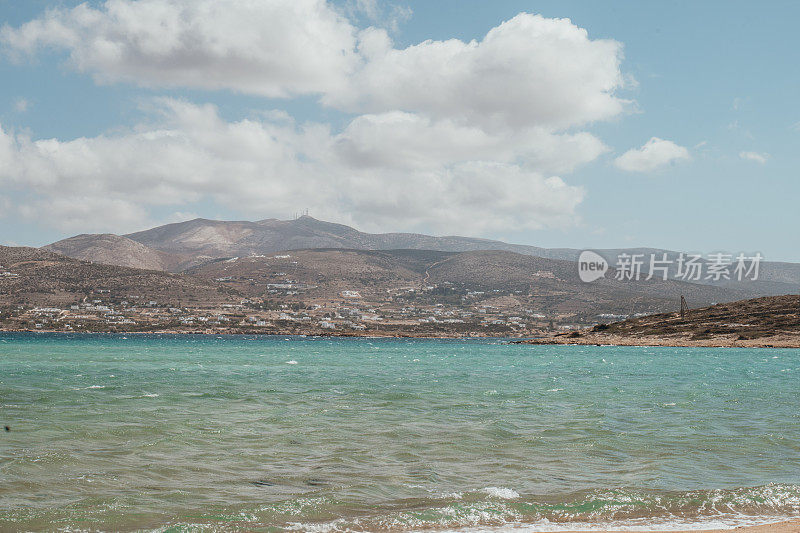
(279, 304)
(350, 314)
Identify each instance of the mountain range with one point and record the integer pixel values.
(382, 279)
(289, 272)
(179, 246)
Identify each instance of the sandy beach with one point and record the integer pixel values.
(792, 526)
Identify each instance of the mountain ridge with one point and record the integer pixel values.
(177, 246)
(408, 292)
(231, 238)
(208, 238)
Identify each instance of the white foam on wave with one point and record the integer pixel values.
(474, 518)
(545, 526)
(450, 495)
(292, 362)
(501, 492)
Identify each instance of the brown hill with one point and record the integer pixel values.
(113, 249)
(548, 285)
(41, 277)
(175, 247)
(217, 238)
(474, 289)
(322, 273)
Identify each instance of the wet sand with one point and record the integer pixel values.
(792, 526)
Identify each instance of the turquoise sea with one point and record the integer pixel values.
(205, 433)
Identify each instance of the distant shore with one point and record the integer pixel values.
(343, 334)
(586, 338)
(610, 339)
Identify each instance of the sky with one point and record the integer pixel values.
(565, 123)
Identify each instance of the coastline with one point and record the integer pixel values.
(563, 339)
(344, 334)
(721, 341)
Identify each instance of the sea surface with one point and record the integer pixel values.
(207, 433)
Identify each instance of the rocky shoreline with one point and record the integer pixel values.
(722, 341)
(769, 322)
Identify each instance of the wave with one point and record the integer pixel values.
(490, 509)
(620, 510)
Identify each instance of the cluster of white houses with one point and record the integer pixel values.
(106, 313)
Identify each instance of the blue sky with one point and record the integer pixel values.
(716, 80)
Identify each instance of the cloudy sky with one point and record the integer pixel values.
(580, 124)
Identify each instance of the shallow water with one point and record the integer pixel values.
(194, 433)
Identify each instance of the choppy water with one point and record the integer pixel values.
(187, 433)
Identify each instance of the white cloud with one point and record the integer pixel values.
(655, 154)
(77, 213)
(754, 156)
(389, 16)
(448, 135)
(408, 141)
(368, 8)
(274, 48)
(528, 71)
(383, 14)
(261, 168)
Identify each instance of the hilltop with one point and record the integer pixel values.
(196, 241)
